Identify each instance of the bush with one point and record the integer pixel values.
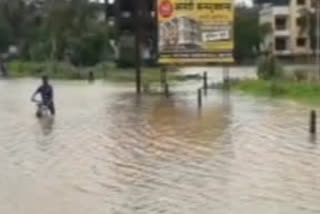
(20, 68)
(269, 68)
(300, 75)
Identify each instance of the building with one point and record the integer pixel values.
(287, 28)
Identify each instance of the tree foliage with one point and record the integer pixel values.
(247, 33)
(56, 30)
(5, 35)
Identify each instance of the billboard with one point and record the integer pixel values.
(195, 31)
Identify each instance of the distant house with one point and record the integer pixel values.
(289, 34)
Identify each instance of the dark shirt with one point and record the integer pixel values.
(46, 93)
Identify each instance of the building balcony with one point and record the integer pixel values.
(303, 51)
(283, 52)
(281, 11)
(282, 33)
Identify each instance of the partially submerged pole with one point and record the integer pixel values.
(226, 77)
(166, 90)
(313, 122)
(137, 44)
(205, 83)
(199, 98)
(163, 77)
(3, 68)
(91, 77)
(164, 82)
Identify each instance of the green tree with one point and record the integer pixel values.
(14, 12)
(75, 31)
(247, 33)
(56, 30)
(19, 20)
(5, 36)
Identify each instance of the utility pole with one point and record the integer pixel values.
(138, 13)
(156, 36)
(318, 36)
(106, 8)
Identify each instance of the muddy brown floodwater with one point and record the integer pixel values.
(109, 152)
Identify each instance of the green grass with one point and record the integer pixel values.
(107, 71)
(300, 91)
(19, 69)
(149, 75)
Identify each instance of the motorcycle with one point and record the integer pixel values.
(42, 110)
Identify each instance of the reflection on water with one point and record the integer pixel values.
(313, 138)
(46, 124)
(108, 151)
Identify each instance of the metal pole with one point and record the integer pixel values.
(313, 122)
(117, 11)
(156, 39)
(205, 83)
(166, 90)
(106, 8)
(226, 77)
(318, 37)
(163, 80)
(199, 98)
(138, 13)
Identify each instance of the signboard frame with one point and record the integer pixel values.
(195, 31)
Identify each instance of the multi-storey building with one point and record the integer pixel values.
(289, 28)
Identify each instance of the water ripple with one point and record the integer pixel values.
(108, 151)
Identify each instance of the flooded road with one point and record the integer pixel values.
(108, 151)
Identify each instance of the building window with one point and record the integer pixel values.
(281, 23)
(281, 44)
(301, 2)
(301, 42)
(314, 3)
(300, 21)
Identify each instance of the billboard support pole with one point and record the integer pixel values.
(137, 13)
(166, 90)
(199, 98)
(226, 76)
(164, 81)
(313, 122)
(163, 78)
(205, 83)
(318, 37)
